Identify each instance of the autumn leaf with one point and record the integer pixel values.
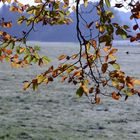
(74, 56)
(135, 27)
(61, 57)
(97, 100)
(107, 48)
(40, 79)
(8, 52)
(63, 78)
(38, 1)
(115, 96)
(9, 1)
(7, 24)
(85, 89)
(104, 67)
(91, 90)
(93, 43)
(112, 51)
(136, 82)
(26, 85)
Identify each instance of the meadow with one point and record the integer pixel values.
(53, 112)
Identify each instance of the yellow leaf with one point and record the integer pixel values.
(74, 56)
(61, 57)
(26, 85)
(85, 3)
(21, 50)
(9, 1)
(40, 79)
(88, 46)
(106, 49)
(85, 89)
(73, 8)
(136, 82)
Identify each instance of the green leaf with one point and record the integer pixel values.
(80, 92)
(21, 19)
(37, 48)
(4, 45)
(125, 27)
(29, 58)
(35, 86)
(88, 46)
(108, 3)
(11, 45)
(116, 66)
(46, 59)
(127, 92)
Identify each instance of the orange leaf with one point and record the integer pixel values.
(8, 52)
(97, 100)
(63, 78)
(22, 50)
(7, 24)
(106, 49)
(114, 50)
(115, 96)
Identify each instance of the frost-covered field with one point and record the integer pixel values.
(54, 113)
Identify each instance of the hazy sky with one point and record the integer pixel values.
(32, 2)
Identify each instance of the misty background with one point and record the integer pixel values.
(59, 33)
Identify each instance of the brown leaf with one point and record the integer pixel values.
(91, 90)
(93, 43)
(132, 39)
(135, 27)
(97, 100)
(104, 67)
(37, 1)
